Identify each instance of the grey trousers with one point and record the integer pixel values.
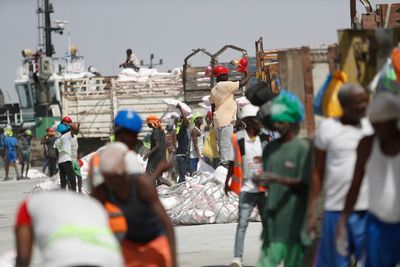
(224, 139)
(247, 202)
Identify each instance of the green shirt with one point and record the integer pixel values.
(285, 207)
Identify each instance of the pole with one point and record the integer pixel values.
(47, 28)
(353, 11)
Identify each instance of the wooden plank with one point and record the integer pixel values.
(308, 91)
(291, 71)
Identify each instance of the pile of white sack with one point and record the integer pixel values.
(200, 200)
(144, 74)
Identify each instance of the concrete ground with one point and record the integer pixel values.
(197, 246)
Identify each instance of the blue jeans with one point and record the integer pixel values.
(183, 167)
(382, 243)
(327, 254)
(247, 202)
(193, 164)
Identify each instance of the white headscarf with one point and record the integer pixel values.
(384, 107)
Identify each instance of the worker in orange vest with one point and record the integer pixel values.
(136, 214)
(247, 163)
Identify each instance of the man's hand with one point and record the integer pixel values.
(312, 224)
(341, 237)
(227, 189)
(265, 178)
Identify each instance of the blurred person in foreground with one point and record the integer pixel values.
(149, 239)
(71, 230)
(378, 159)
(287, 170)
(136, 220)
(335, 151)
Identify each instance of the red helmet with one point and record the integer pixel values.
(242, 67)
(74, 126)
(220, 70)
(51, 131)
(66, 119)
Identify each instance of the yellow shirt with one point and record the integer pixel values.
(225, 106)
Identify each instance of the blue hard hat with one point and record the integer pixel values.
(129, 120)
(62, 128)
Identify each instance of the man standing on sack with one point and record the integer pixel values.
(224, 108)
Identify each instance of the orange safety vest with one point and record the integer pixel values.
(116, 218)
(237, 174)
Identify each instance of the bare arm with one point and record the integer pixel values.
(228, 177)
(363, 152)
(267, 178)
(157, 143)
(184, 118)
(24, 242)
(316, 185)
(161, 167)
(195, 136)
(245, 80)
(149, 194)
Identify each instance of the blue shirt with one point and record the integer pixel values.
(10, 143)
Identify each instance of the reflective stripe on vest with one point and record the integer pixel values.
(237, 175)
(90, 234)
(116, 218)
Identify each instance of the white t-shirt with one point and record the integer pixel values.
(252, 164)
(70, 229)
(74, 147)
(383, 174)
(64, 146)
(200, 142)
(340, 143)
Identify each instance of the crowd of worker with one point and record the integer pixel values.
(283, 177)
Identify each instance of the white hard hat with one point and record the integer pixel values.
(248, 111)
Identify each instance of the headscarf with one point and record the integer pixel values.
(384, 107)
(112, 160)
(154, 121)
(196, 115)
(8, 131)
(286, 107)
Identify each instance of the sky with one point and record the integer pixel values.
(103, 29)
